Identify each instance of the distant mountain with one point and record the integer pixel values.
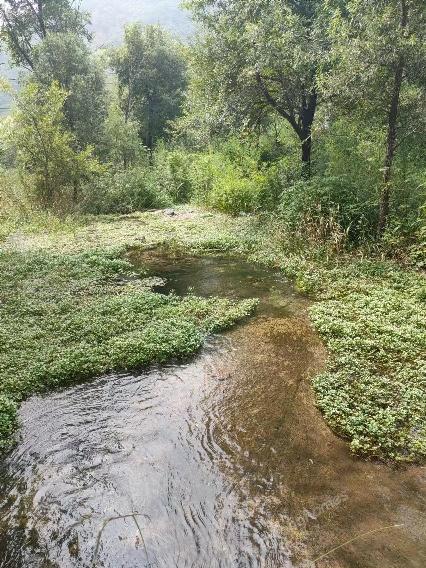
(110, 16)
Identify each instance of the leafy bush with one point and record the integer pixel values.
(324, 206)
(122, 145)
(45, 149)
(232, 180)
(234, 193)
(123, 192)
(205, 169)
(171, 173)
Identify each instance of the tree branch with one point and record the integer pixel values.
(15, 40)
(270, 100)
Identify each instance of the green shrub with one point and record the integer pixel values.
(232, 193)
(222, 184)
(325, 206)
(46, 152)
(123, 192)
(171, 173)
(205, 169)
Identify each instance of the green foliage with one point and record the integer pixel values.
(44, 149)
(27, 22)
(171, 173)
(233, 193)
(66, 59)
(123, 192)
(376, 71)
(257, 59)
(359, 72)
(343, 191)
(232, 177)
(374, 391)
(151, 76)
(329, 208)
(85, 320)
(214, 180)
(122, 144)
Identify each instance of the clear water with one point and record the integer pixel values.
(219, 462)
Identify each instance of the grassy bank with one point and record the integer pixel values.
(370, 313)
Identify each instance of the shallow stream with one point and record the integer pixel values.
(223, 461)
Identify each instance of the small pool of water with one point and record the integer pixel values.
(223, 461)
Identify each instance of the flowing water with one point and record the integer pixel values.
(219, 462)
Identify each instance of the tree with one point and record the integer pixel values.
(123, 145)
(152, 78)
(377, 69)
(24, 23)
(45, 149)
(66, 58)
(261, 56)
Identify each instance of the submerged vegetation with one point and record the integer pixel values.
(297, 128)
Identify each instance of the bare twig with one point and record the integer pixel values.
(354, 539)
(118, 517)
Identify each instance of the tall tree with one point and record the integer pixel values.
(262, 56)
(24, 23)
(152, 78)
(123, 146)
(67, 59)
(45, 149)
(378, 69)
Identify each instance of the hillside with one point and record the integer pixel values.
(109, 18)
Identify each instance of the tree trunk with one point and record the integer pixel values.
(384, 205)
(301, 120)
(10, 31)
(307, 115)
(150, 132)
(306, 156)
(75, 191)
(40, 17)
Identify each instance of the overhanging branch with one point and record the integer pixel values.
(275, 104)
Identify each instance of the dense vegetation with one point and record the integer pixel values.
(309, 115)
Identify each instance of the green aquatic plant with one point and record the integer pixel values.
(370, 313)
(71, 317)
(374, 390)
